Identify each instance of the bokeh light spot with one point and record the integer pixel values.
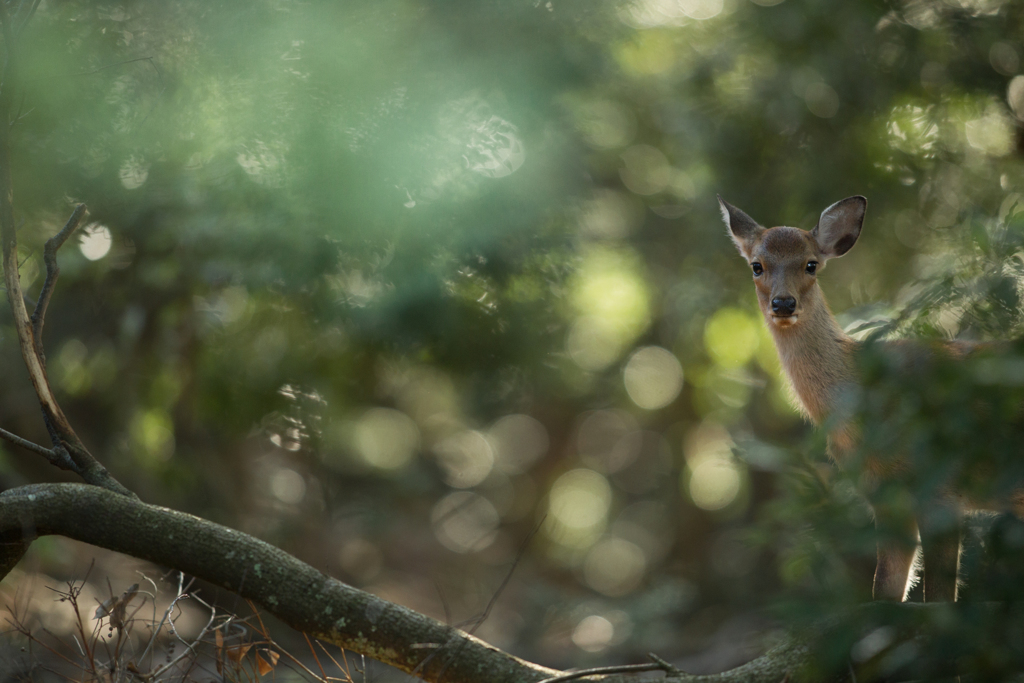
(288, 486)
(518, 441)
(714, 483)
(386, 438)
(593, 634)
(614, 567)
(95, 241)
(73, 373)
(653, 377)
(610, 215)
(464, 522)
(701, 9)
(152, 435)
(1004, 58)
(992, 133)
(649, 53)
(651, 13)
(580, 499)
(465, 458)
(612, 299)
(712, 477)
(361, 559)
(592, 343)
(731, 337)
(822, 100)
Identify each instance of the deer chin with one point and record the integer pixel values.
(784, 321)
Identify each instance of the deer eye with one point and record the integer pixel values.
(812, 266)
(756, 268)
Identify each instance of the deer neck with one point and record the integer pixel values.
(816, 355)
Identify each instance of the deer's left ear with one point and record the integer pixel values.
(839, 226)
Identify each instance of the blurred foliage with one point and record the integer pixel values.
(389, 283)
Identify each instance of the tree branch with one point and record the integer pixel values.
(63, 436)
(296, 593)
(25, 443)
(58, 456)
(52, 272)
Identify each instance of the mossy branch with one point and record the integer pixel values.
(296, 593)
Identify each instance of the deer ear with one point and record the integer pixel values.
(839, 226)
(743, 229)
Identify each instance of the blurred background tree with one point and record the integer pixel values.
(392, 284)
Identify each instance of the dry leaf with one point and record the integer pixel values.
(263, 666)
(104, 608)
(116, 608)
(236, 653)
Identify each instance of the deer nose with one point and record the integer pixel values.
(783, 305)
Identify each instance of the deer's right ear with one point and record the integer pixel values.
(743, 229)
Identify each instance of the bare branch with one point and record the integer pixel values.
(52, 272)
(300, 595)
(57, 456)
(24, 443)
(603, 670)
(62, 434)
(297, 594)
(481, 618)
(189, 649)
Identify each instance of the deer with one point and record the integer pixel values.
(819, 359)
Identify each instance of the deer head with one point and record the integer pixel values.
(785, 261)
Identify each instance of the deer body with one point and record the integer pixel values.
(819, 359)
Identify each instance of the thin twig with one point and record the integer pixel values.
(270, 642)
(669, 669)
(182, 590)
(479, 620)
(312, 650)
(25, 443)
(189, 647)
(343, 669)
(600, 670)
(52, 272)
(23, 116)
(57, 456)
(152, 620)
(508, 576)
(17, 116)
